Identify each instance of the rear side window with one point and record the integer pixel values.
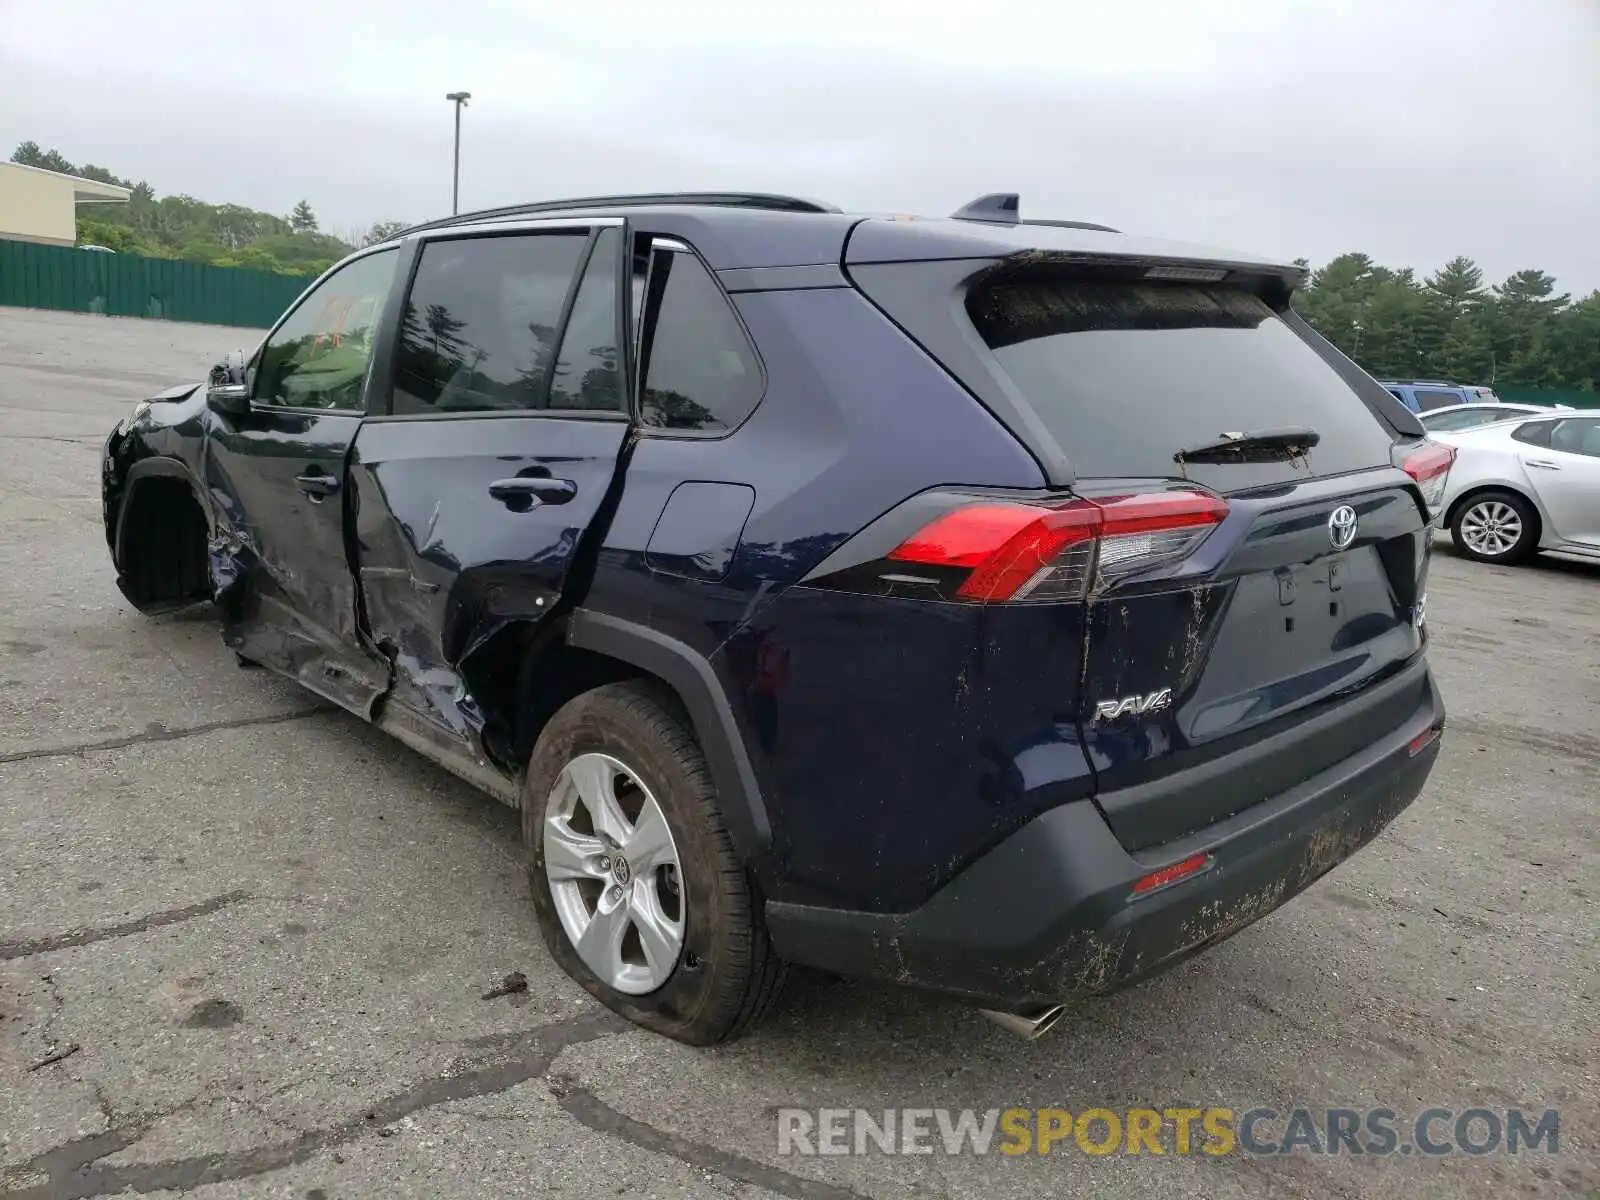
(479, 328)
(1124, 375)
(586, 374)
(1466, 418)
(701, 375)
(1577, 435)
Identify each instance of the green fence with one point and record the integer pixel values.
(1537, 395)
(127, 285)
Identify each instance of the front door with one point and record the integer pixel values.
(475, 489)
(277, 476)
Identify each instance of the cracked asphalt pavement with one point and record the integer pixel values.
(245, 940)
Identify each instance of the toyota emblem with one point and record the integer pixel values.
(1342, 526)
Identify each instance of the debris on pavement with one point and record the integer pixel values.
(66, 1051)
(513, 984)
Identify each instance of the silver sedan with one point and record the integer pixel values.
(1525, 484)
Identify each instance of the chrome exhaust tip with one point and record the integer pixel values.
(1032, 1025)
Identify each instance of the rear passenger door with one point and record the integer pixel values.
(497, 443)
(1566, 475)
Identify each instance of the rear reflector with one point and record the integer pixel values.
(1169, 875)
(1430, 467)
(1421, 742)
(1017, 552)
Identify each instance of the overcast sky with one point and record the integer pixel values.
(1411, 129)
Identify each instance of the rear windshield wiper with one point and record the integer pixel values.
(1265, 445)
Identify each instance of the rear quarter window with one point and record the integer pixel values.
(1535, 433)
(1125, 374)
(701, 375)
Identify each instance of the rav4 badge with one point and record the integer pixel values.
(1150, 702)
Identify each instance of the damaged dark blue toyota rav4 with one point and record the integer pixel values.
(1001, 607)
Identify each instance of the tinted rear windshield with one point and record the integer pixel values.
(1123, 375)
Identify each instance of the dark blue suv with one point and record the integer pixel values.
(998, 607)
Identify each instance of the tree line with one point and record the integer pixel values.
(1447, 325)
(221, 235)
(1450, 326)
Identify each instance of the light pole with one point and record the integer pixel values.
(460, 99)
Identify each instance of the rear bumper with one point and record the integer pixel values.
(1049, 913)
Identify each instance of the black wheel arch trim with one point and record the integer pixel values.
(691, 676)
(156, 468)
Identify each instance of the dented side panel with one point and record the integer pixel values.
(277, 552)
(447, 557)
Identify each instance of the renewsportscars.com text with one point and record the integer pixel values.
(1166, 1131)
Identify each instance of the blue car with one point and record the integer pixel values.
(1005, 608)
(1427, 395)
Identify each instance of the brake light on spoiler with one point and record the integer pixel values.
(995, 552)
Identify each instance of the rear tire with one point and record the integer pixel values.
(1496, 527)
(632, 738)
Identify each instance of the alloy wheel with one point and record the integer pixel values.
(614, 874)
(1491, 528)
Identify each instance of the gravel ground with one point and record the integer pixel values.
(264, 930)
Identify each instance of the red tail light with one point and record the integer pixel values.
(1430, 467)
(1015, 552)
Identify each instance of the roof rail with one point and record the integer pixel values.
(1075, 225)
(1005, 208)
(760, 200)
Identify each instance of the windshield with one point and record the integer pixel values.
(1125, 374)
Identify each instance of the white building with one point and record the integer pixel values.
(42, 206)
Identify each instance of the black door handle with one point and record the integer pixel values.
(520, 493)
(317, 484)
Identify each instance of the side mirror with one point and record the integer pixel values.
(228, 390)
(232, 399)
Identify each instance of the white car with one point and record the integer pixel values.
(1523, 485)
(1469, 416)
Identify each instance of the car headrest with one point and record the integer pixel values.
(1568, 436)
